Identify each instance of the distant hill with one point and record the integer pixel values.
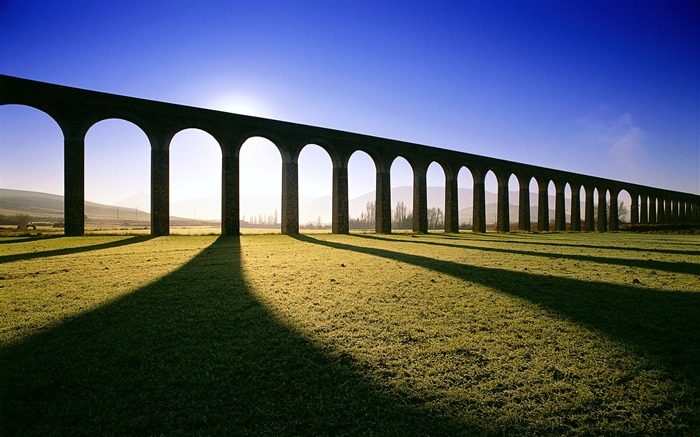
(49, 207)
(15, 202)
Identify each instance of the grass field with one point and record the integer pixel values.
(440, 334)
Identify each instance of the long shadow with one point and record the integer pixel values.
(195, 353)
(675, 267)
(495, 238)
(655, 323)
(13, 240)
(72, 250)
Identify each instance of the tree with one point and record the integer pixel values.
(402, 219)
(436, 218)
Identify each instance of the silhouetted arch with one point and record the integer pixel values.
(75, 110)
(195, 177)
(465, 184)
(125, 182)
(260, 184)
(491, 188)
(31, 138)
(513, 200)
(401, 194)
(315, 187)
(362, 183)
(625, 203)
(436, 195)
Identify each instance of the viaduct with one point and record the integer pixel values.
(76, 110)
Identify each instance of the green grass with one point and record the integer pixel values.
(439, 334)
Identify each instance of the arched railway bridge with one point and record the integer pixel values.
(76, 110)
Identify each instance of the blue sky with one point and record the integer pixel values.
(607, 88)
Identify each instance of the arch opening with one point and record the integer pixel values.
(624, 207)
(435, 177)
(260, 180)
(491, 187)
(31, 161)
(315, 188)
(401, 194)
(534, 203)
(465, 196)
(513, 201)
(362, 179)
(117, 176)
(195, 182)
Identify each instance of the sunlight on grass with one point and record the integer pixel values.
(345, 334)
(55, 279)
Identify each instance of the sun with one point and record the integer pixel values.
(238, 104)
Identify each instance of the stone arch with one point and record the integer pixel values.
(436, 182)
(401, 173)
(625, 203)
(491, 184)
(261, 134)
(513, 200)
(33, 139)
(362, 183)
(260, 182)
(315, 187)
(127, 150)
(465, 187)
(198, 155)
(534, 189)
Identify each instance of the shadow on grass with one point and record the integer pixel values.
(194, 353)
(497, 238)
(21, 239)
(675, 267)
(660, 325)
(72, 250)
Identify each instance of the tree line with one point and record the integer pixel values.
(401, 217)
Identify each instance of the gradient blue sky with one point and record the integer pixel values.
(607, 88)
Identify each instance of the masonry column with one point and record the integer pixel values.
(341, 220)
(634, 209)
(613, 220)
(602, 210)
(668, 211)
(451, 201)
(74, 185)
(420, 199)
(524, 204)
(382, 223)
(682, 211)
(559, 207)
(290, 194)
(590, 211)
(503, 208)
(575, 207)
(230, 191)
(644, 210)
(652, 209)
(479, 203)
(160, 189)
(661, 214)
(542, 205)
